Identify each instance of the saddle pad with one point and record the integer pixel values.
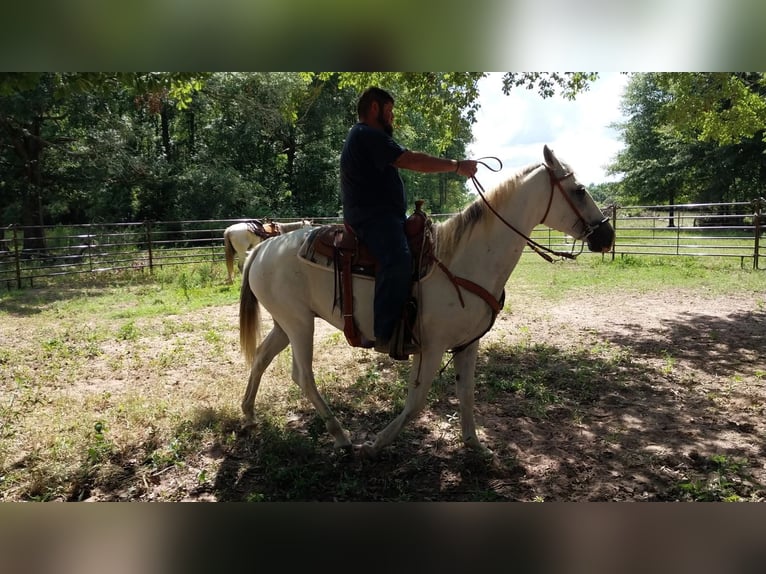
(313, 251)
(317, 249)
(254, 226)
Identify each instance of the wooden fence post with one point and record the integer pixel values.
(614, 226)
(16, 255)
(758, 211)
(149, 244)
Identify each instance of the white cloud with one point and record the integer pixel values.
(515, 128)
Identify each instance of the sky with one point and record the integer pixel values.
(515, 128)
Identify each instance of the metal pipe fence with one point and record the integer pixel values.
(31, 254)
(724, 230)
(692, 230)
(34, 253)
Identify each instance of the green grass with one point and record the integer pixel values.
(62, 439)
(592, 272)
(75, 439)
(714, 479)
(129, 295)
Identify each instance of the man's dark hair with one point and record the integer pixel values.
(369, 96)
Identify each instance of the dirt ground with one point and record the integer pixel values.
(659, 397)
(686, 405)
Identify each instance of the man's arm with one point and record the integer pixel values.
(423, 162)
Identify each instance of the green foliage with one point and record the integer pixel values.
(446, 100)
(720, 107)
(129, 146)
(604, 193)
(718, 478)
(692, 138)
(99, 448)
(570, 83)
(128, 332)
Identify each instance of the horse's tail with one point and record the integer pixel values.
(229, 251)
(249, 316)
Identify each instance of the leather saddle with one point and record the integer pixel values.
(349, 255)
(264, 230)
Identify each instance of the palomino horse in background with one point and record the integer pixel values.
(458, 298)
(239, 238)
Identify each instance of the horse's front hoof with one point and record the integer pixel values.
(341, 435)
(342, 445)
(343, 453)
(368, 451)
(476, 446)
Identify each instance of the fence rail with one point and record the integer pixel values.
(692, 230)
(29, 254)
(32, 253)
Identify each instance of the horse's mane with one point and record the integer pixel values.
(448, 233)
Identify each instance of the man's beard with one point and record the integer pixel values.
(388, 128)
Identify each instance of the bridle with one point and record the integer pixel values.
(497, 304)
(556, 183)
(542, 250)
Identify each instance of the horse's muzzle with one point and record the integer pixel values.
(601, 237)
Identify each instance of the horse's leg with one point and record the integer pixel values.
(228, 250)
(465, 368)
(241, 256)
(422, 372)
(274, 343)
(303, 375)
(244, 247)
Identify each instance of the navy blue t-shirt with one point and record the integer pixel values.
(370, 185)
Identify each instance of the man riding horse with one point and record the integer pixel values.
(375, 203)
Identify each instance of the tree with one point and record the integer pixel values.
(547, 83)
(24, 115)
(722, 107)
(686, 140)
(448, 98)
(83, 147)
(269, 144)
(649, 159)
(34, 112)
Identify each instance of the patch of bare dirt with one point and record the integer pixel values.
(683, 416)
(658, 396)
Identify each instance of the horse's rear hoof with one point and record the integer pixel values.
(247, 429)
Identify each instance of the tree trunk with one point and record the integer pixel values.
(165, 123)
(192, 133)
(29, 147)
(291, 149)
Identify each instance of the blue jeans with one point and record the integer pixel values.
(385, 238)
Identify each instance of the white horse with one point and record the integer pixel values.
(458, 300)
(239, 238)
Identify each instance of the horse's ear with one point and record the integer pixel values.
(553, 162)
(550, 159)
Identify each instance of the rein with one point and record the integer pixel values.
(494, 304)
(497, 304)
(534, 245)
